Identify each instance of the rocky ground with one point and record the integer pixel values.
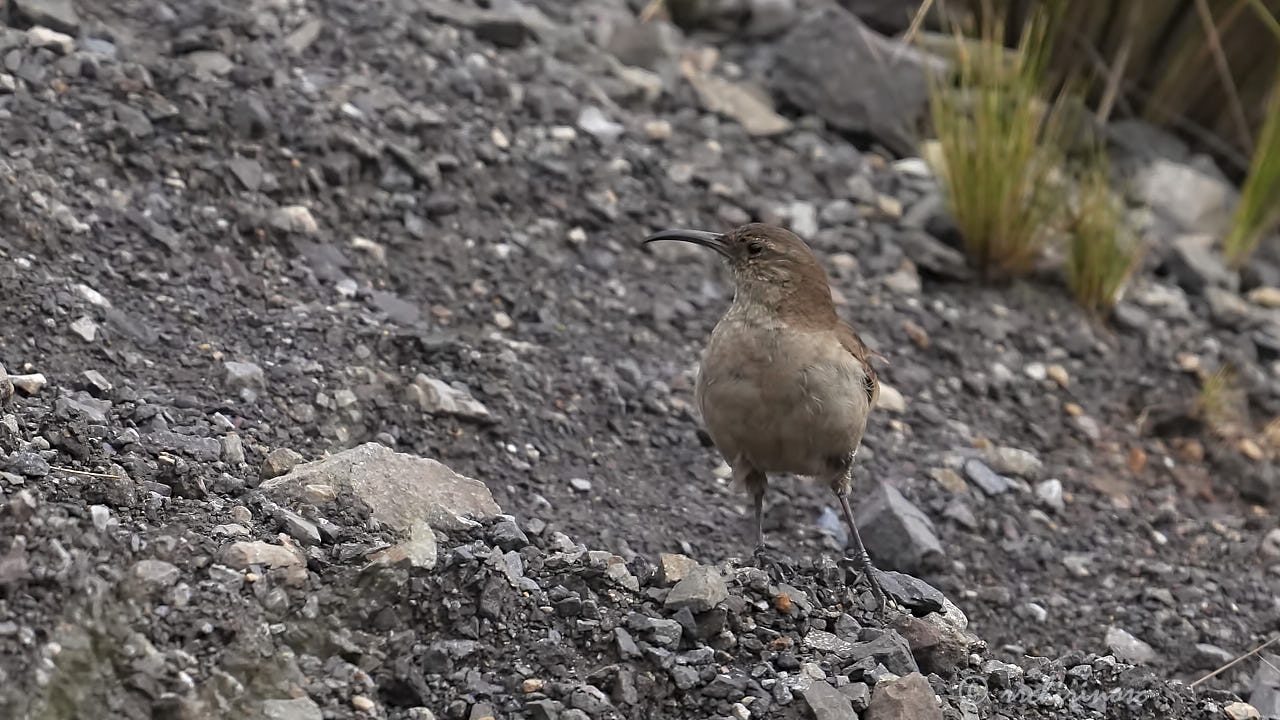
(237, 237)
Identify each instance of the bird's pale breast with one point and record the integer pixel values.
(780, 399)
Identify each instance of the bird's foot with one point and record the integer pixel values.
(872, 575)
(765, 560)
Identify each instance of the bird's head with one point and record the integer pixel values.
(758, 254)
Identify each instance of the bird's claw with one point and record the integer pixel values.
(869, 573)
(765, 561)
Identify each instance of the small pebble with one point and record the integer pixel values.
(1036, 371)
(100, 514)
(1059, 375)
(657, 129)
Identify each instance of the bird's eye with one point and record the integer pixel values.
(755, 248)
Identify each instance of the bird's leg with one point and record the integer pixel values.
(758, 496)
(757, 483)
(861, 559)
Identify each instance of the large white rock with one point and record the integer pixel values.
(401, 489)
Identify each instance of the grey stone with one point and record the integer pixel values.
(959, 511)
(303, 708)
(508, 536)
(591, 700)
(298, 527)
(1269, 547)
(156, 574)
(649, 45)
(1191, 199)
(1128, 648)
(804, 218)
(249, 117)
(823, 641)
(244, 374)
(42, 37)
(700, 590)
(232, 449)
(1014, 461)
(92, 409)
(1212, 657)
(302, 38)
(204, 449)
(420, 550)
(984, 477)
(240, 555)
(1196, 267)
(248, 172)
(1000, 674)
(1227, 308)
(889, 649)
(859, 695)
(6, 387)
(294, 218)
(938, 641)
(100, 515)
(674, 567)
(684, 676)
(1049, 493)
(1265, 693)
(769, 17)
(278, 462)
(747, 104)
(133, 120)
(908, 698)
(826, 703)
(98, 382)
(57, 14)
(210, 62)
(85, 328)
(593, 121)
(898, 535)
(888, 96)
(911, 592)
(509, 25)
(27, 463)
(437, 396)
(934, 257)
(399, 488)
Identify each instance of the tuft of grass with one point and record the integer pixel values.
(1221, 404)
(1102, 251)
(1258, 211)
(1000, 143)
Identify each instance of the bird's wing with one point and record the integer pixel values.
(852, 343)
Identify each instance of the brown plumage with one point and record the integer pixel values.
(785, 385)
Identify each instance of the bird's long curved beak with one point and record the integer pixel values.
(713, 240)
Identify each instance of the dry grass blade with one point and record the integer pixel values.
(999, 146)
(1224, 71)
(1115, 73)
(917, 21)
(1231, 664)
(86, 473)
(1102, 251)
(652, 9)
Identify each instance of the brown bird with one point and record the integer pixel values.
(785, 385)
